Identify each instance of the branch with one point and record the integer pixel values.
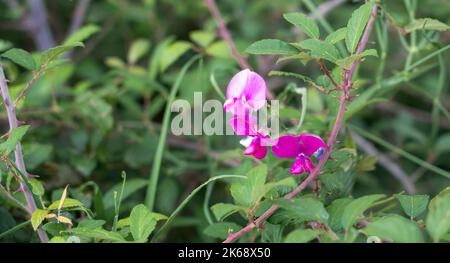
(387, 163)
(38, 27)
(347, 81)
(12, 120)
(225, 34)
(78, 16)
(326, 7)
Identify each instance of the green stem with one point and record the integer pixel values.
(154, 175)
(400, 151)
(14, 229)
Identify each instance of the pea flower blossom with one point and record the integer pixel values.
(255, 142)
(246, 91)
(301, 148)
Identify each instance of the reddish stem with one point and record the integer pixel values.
(225, 34)
(331, 139)
(12, 119)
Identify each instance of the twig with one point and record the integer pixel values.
(327, 73)
(347, 81)
(387, 163)
(225, 34)
(326, 7)
(78, 15)
(13, 199)
(12, 119)
(77, 20)
(38, 27)
(36, 75)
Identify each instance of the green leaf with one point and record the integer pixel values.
(272, 233)
(123, 222)
(68, 203)
(301, 236)
(219, 49)
(172, 53)
(356, 25)
(395, 228)
(138, 49)
(20, 57)
(356, 208)
(202, 38)
(14, 138)
(220, 230)
(320, 49)
(306, 24)
(91, 223)
(346, 62)
(413, 205)
(97, 234)
(426, 24)
(37, 217)
(36, 187)
(81, 34)
(336, 209)
(304, 209)
(271, 47)
(438, 218)
(57, 239)
(142, 223)
(221, 210)
(53, 53)
(248, 192)
(336, 36)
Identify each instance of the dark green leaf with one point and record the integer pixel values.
(356, 25)
(356, 208)
(320, 49)
(306, 24)
(271, 47)
(413, 205)
(20, 57)
(395, 228)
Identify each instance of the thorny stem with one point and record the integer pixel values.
(12, 120)
(347, 84)
(225, 34)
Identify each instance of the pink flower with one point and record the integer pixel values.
(256, 143)
(246, 90)
(301, 148)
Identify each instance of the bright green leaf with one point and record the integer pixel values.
(320, 49)
(142, 223)
(53, 53)
(336, 36)
(97, 234)
(301, 236)
(413, 205)
(306, 24)
(356, 25)
(221, 210)
(68, 203)
(36, 187)
(219, 49)
(14, 138)
(20, 57)
(202, 38)
(304, 209)
(37, 217)
(438, 218)
(356, 208)
(395, 228)
(426, 24)
(271, 47)
(138, 49)
(172, 52)
(81, 34)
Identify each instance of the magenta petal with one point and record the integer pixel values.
(311, 143)
(247, 87)
(256, 149)
(308, 165)
(297, 167)
(288, 146)
(244, 126)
